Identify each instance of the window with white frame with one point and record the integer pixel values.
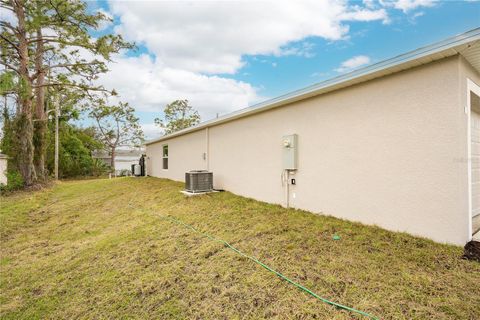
(165, 157)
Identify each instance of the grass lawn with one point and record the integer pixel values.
(100, 249)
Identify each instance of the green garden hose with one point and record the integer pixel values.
(226, 244)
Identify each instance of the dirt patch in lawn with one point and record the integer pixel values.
(472, 251)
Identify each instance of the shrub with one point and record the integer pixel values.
(14, 182)
(99, 167)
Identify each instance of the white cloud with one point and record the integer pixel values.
(148, 85)
(353, 63)
(192, 45)
(413, 18)
(369, 4)
(212, 36)
(304, 49)
(151, 131)
(407, 5)
(106, 23)
(360, 14)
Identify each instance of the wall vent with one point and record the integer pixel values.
(198, 181)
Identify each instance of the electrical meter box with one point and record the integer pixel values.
(289, 152)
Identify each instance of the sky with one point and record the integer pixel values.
(226, 55)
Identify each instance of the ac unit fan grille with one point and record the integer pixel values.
(198, 181)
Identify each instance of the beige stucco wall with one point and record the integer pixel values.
(185, 153)
(385, 152)
(467, 72)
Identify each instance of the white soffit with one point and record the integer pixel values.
(467, 44)
(472, 54)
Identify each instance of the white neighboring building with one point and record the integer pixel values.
(3, 168)
(124, 157)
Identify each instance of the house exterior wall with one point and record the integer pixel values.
(384, 152)
(467, 72)
(185, 154)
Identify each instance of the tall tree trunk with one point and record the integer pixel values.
(112, 159)
(23, 121)
(41, 123)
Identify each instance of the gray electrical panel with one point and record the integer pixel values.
(289, 152)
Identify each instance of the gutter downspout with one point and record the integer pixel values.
(285, 177)
(207, 148)
(287, 200)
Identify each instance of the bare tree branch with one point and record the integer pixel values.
(9, 66)
(7, 25)
(80, 86)
(10, 42)
(67, 66)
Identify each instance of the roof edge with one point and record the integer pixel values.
(310, 91)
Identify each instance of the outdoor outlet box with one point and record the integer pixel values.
(290, 152)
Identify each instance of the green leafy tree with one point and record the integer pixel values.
(65, 56)
(6, 135)
(75, 152)
(76, 144)
(14, 179)
(178, 115)
(117, 126)
(75, 158)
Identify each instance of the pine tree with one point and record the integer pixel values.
(178, 115)
(50, 46)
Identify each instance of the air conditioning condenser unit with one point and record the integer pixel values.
(198, 181)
